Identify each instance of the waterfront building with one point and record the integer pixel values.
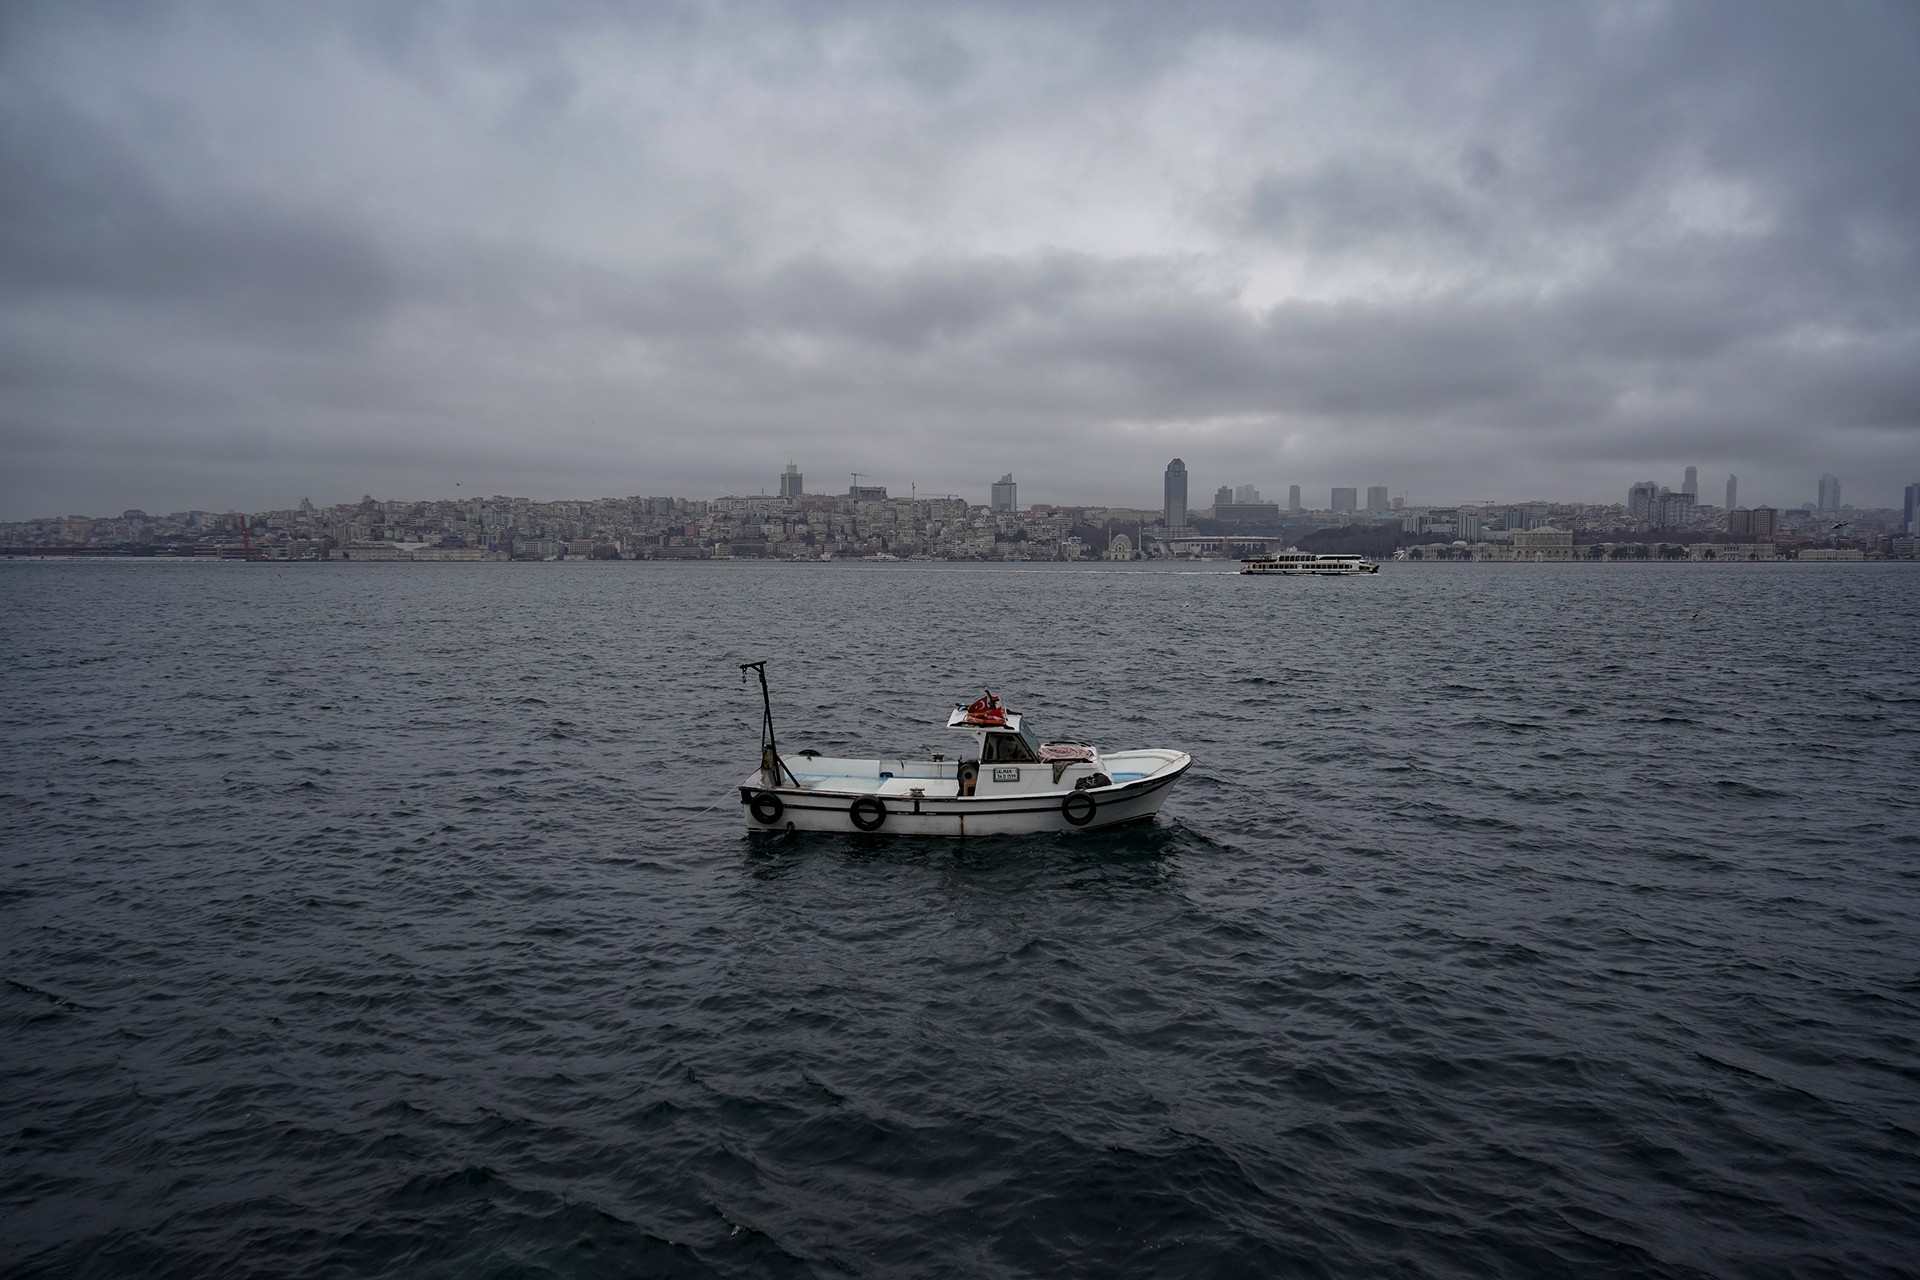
(1293, 497)
(1006, 495)
(1345, 500)
(1377, 498)
(1175, 506)
(790, 482)
(1829, 493)
(1545, 543)
(1733, 491)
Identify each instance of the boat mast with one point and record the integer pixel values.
(770, 762)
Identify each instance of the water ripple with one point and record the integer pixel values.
(1507, 924)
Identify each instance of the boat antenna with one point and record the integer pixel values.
(770, 761)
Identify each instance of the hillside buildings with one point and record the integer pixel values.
(866, 521)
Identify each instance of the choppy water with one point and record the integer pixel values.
(369, 919)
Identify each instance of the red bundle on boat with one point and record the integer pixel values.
(986, 710)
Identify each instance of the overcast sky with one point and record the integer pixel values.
(252, 252)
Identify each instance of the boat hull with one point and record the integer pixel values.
(789, 808)
(1310, 571)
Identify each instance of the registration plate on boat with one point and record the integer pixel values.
(1008, 774)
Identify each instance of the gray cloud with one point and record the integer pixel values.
(248, 254)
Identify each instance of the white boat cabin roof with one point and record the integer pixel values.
(961, 720)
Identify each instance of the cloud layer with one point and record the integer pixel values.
(251, 253)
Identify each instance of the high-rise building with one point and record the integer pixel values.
(1733, 492)
(1223, 496)
(790, 482)
(1176, 495)
(1246, 493)
(1377, 498)
(1829, 493)
(1345, 499)
(1293, 497)
(1691, 484)
(1673, 510)
(1763, 521)
(1006, 495)
(1642, 500)
(1911, 522)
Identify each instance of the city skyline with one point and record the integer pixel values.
(1002, 494)
(337, 249)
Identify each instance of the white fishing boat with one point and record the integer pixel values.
(1295, 563)
(999, 780)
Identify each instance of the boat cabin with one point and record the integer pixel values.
(1001, 741)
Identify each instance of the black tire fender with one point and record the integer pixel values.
(1078, 808)
(868, 813)
(766, 808)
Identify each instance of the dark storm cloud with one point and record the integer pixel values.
(82, 219)
(253, 252)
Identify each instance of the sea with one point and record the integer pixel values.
(403, 920)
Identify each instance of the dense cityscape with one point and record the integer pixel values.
(869, 522)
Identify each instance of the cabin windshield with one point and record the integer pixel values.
(1001, 747)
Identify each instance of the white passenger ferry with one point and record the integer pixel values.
(1000, 780)
(1305, 562)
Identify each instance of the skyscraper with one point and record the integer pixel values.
(1223, 497)
(1829, 493)
(1691, 485)
(1006, 495)
(1911, 522)
(1345, 499)
(1246, 493)
(1733, 492)
(1293, 497)
(1176, 494)
(790, 482)
(1377, 498)
(1641, 499)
